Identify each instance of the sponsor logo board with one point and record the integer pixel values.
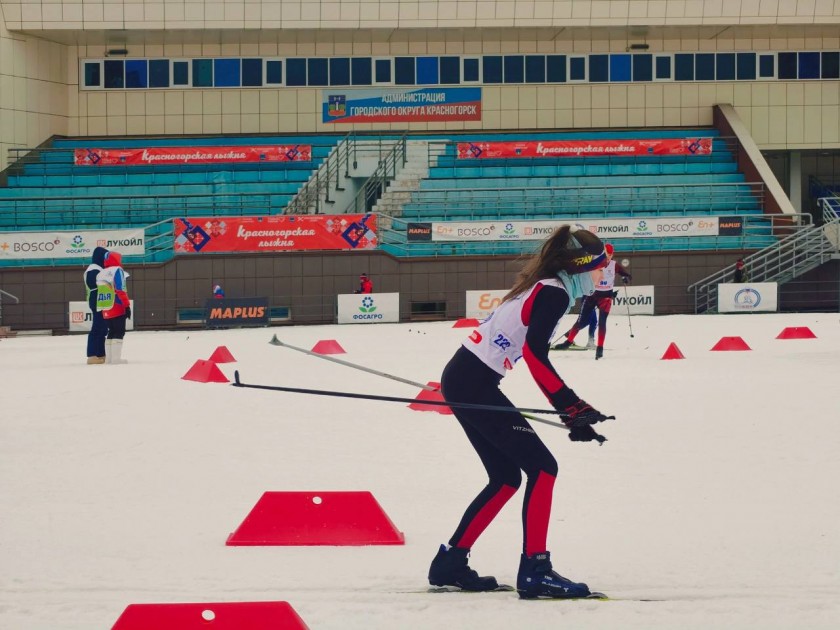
(368, 308)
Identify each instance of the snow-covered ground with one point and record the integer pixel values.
(716, 494)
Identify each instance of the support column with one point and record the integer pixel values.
(796, 180)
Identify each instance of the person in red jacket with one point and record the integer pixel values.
(114, 304)
(365, 285)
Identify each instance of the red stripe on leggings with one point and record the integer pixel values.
(485, 516)
(537, 514)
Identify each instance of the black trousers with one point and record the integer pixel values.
(116, 327)
(507, 445)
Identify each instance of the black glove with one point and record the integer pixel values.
(580, 417)
(626, 279)
(128, 312)
(614, 294)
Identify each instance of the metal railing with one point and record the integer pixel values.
(803, 250)
(389, 165)
(329, 175)
(7, 294)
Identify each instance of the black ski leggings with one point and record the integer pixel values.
(506, 444)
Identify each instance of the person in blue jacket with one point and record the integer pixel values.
(98, 329)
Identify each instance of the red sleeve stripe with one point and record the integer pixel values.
(545, 377)
(529, 304)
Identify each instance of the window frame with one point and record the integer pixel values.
(180, 86)
(282, 61)
(374, 81)
(83, 74)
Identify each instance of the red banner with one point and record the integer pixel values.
(578, 148)
(275, 234)
(192, 155)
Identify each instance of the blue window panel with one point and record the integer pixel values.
(787, 65)
(704, 67)
(809, 65)
(252, 72)
(831, 65)
(383, 70)
(745, 66)
(663, 67)
(598, 68)
(470, 69)
(273, 72)
(450, 70)
(725, 67)
(620, 68)
(766, 66)
(427, 71)
(404, 71)
(158, 73)
(295, 72)
(114, 73)
(202, 73)
(180, 73)
(643, 67)
(492, 69)
(514, 69)
(340, 71)
(555, 68)
(136, 73)
(227, 72)
(317, 71)
(535, 69)
(93, 75)
(577, 69)
(360, 71)
(684, 67)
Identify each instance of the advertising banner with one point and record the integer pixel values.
(192, 155)
(481, 303)
(748, 297)
(577, 148)
(236, 312)
(29, 245)
(539, 230)
(80, 318)
(401, 105)
(368, 308)
(639, 298)
(275, 234)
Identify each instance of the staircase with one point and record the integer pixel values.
(781, 262)
(420, 156)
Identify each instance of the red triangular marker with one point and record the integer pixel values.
(316, 518)
(222, 355)
(673, 352)
(426, 394)
(466, 322)
(731, 343)
(328, 346)
(215, 616)
(205, 372)
(797, 332)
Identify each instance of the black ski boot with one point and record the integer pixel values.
(599, 352)
(562, 346)
(537, 579)
(450, 568)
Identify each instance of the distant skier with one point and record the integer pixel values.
(602, 300)
(98, 327)
(520, 327)
(114, 304)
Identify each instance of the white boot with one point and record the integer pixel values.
(109, 348)
(116, 351)
(591, 343)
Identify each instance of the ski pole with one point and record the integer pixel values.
(276, 342)
(439, 403)
(627, 303)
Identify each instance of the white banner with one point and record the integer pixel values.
(481, 303)
(639, 298)
(368, 308)
(28, 245)
(748, 297)
(604, 228)
(80, 317)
